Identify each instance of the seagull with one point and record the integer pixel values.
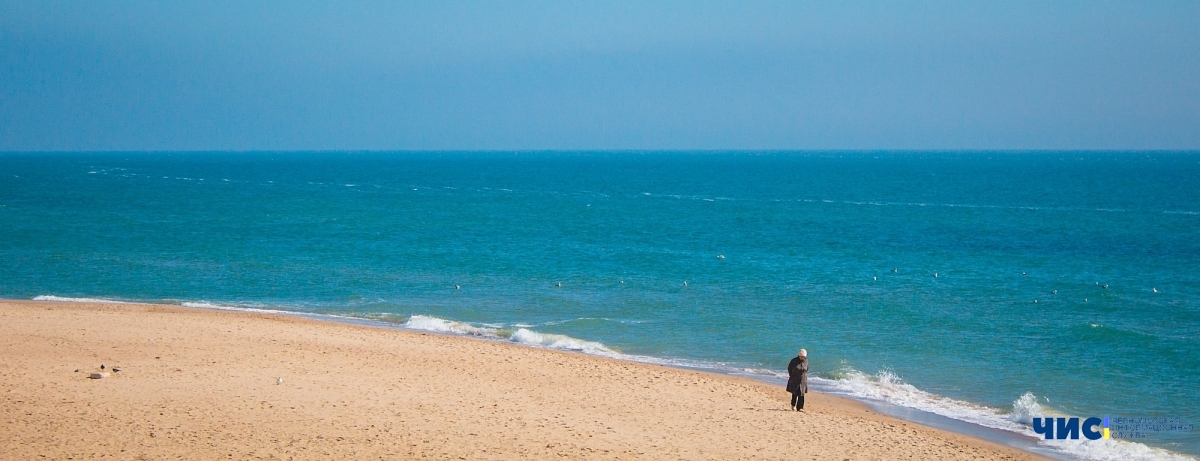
(1085, 300)
(622, 281)
(685, 283)
(278, 380)
(456, 287)
(1106, 287)
(720, 256)
(1154, 290)
(876, 278)
(1035, 301)
(935, 275)
(1054, 292)
(558, 284)
(1025, 274)
(895, 270)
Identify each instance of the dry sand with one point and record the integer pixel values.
(201, 384)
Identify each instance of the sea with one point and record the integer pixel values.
(974, 290)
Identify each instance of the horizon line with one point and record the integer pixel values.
(625, 151)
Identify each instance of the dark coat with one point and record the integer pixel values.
(798, 376)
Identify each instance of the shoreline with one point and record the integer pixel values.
(631, 409)
(909, 414)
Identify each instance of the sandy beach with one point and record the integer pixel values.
(205, 384)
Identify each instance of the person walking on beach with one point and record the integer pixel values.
(798, 379)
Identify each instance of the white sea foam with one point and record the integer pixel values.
(80, 300)
(964, 205)
(886, 387)
(522, 335)
(1025, 408)
(533, 338)
(577, 319)
(421, 322)
(243, 308)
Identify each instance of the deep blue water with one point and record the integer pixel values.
(834, 252)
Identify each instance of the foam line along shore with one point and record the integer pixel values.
(881, 389)
(981, 287)
(154, 380)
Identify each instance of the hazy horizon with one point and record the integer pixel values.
(536, 76)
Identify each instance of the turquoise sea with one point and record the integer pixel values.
(986, 287)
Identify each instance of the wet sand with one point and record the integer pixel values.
(204, 384)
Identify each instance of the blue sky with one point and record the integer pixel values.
(599, 75)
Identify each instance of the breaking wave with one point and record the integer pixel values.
(883, 387)
(80, 300)
(519, 335)
(886, 387)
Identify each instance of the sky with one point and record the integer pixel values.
(578, 75)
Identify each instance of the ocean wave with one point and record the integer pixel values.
(967, 205)
(522, 335)
(580, 319)
(241, 308)
(691, 197)
(887, 387)
(552, 341)
(81, 300)
(884, 386)
(434, 324)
